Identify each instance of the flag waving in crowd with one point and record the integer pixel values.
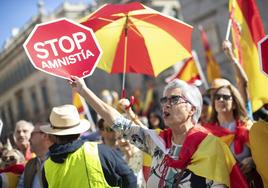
(81, 105)
(188, 72)
(213, 69)
(247, 30)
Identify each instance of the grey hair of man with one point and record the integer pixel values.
(190, 92)
(23, 122)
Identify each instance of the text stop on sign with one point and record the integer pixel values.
(63, 48)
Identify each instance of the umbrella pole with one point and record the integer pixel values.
(123, 94)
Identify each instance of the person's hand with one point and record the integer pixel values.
(227, 48)
(78, 84)
(124, 103)
(247, 164)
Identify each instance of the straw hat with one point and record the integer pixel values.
(217, 83)
(65, 120)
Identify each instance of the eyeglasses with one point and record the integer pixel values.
(224, 97)
(108, 129)
(174, 99)
(34, 132)
(8, 158)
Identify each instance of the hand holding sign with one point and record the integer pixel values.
(63, 48)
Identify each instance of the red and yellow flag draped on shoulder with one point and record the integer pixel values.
(206, 156)
(213, 69)
(247, 30)
(239, 137)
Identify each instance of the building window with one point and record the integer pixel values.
(11, 115)
(45, 94)
(3, 116)
(174, 12)
(21, 105)
(35, 105)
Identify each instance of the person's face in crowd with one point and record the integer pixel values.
(176, 108)
(154, 120)
(223, 100)
(36, 140)
(23, 134)
(109, 135)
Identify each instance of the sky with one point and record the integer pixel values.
(15, 13)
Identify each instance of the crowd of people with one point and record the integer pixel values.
(191, 140)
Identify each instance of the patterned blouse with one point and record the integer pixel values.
(160, 176)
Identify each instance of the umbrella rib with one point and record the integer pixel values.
(143, 19)
(105, 19)
(135, 30)
(139, 20)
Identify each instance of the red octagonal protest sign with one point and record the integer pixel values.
(263, 54)
(63, 48)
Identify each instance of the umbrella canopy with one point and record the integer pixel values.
(138, 39)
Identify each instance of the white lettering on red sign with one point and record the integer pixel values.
(67, 60)
(73, 43)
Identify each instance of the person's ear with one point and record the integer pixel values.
(193, 110)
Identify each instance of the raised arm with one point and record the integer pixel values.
(136, 134)
(241, 75)
(107, 112)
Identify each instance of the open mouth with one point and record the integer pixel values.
(166, 114)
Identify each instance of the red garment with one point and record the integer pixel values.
(194, 137)
(241, 134)
(28, 154)
(16, 169)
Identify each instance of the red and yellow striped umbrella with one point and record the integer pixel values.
(138, 39)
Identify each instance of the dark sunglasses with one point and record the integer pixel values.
(224, 97)
(174, 99)
(8, 158)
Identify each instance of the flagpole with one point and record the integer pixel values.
(87, 113)
(229, 22)
(199, 68)
(228, 29)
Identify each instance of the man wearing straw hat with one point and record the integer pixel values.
(75, 163)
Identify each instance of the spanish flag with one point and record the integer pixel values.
(206, 156)
(149, 100)
(213, 69)
(79, 104)
(247, 30)
(189, 72)
(258, 141)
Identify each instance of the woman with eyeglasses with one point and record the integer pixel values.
(184, 155)
(229, 121)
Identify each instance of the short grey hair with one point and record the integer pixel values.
(23, 122)
(190, 92)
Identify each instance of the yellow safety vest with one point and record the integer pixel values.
(80, 169)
